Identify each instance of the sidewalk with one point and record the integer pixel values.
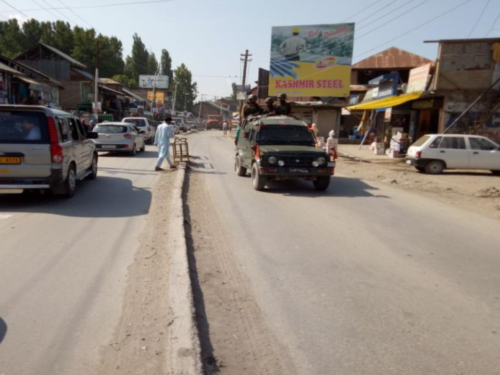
(365, 154)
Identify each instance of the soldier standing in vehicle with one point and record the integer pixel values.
(270, 110)
(252, 108)
(283, 108)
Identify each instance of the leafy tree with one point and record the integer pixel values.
(187, 90)
(11, 37)
(139, 58)
(152, 63)
(166, 65)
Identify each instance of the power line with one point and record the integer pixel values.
(59, 12)
(364, 10)
(479, 19)
(18, 11)
(492, 26)
(94, 6)
(76, 14)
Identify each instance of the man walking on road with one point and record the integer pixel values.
(162, 140)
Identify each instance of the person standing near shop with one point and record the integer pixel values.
(162, 141)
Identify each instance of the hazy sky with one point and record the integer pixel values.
(209, 35)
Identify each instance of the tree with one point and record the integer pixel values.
(152, 64)
(11, 38)
(234, 94)
(139, 58)
(187, 90)
(166, 65)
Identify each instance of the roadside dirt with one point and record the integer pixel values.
(233, 332)
(140, 339)
(477, 191)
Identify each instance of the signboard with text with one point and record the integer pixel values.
(149, 82)
(311, 60)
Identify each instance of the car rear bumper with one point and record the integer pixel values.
(55, 179)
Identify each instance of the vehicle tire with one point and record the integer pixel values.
(259, 181)
(93, 168)
(434, 167)
(240, 171)
(134, 151)
(322, 183)
(496, 173)
(68, 187)
(420, 169)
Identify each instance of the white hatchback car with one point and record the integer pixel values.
(434, 153)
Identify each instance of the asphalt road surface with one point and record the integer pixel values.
(364, 278)
(63, 265)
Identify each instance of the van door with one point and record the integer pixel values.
(485, 154)
(454, 152)
(24, 144)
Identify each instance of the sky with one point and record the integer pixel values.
(210, 35)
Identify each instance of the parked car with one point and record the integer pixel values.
(119, 137)
(281, 148)
(142, 123)
(44, 149)
(434, 153)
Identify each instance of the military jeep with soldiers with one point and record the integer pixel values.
(275, 148)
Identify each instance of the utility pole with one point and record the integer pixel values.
(245, 59)
(96, 83)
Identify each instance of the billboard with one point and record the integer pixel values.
(311, 60)
(148, 82)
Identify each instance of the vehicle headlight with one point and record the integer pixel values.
(321, 161)
(281, 163)
(272, 160)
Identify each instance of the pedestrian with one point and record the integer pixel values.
(224, 127)
(283, 108)
(331, 145)
(162, 141)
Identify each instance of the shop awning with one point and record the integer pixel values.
(392, 101)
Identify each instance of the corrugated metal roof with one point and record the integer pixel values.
(64, 56)
(392, 58)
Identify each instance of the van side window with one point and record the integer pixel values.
(64, 129)
(81, 129)
(455, 143)
(74, 129)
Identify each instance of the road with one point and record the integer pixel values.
(63, 266)
(361, 279)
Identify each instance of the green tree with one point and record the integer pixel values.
(11, 38)
(152, 63)
(187, 90)
(166, 65)
(139, 58)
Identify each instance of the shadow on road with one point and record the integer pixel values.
(103, 197)
(207, 351)
(3, 329)
(339, 187)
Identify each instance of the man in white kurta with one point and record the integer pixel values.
(162, 139)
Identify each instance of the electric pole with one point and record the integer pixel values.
(245, 59)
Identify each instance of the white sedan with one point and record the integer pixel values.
(434, 153)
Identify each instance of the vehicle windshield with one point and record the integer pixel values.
(23, 127)
(285, 135)
(136, 121)
(110, 129)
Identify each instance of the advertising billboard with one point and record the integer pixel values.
(311, 60)
(148, 82)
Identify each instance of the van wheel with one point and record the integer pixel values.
(134, 151)
(93, 168)
(322, 183)
(259, 181)
(68, 187)
(240, 171)
(434, 167)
